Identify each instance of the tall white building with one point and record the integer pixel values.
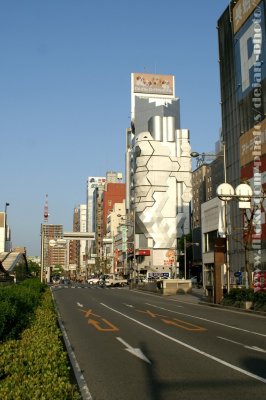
(93, 182)
(82, 216)
(158, 172)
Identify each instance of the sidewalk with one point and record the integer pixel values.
(197, 295)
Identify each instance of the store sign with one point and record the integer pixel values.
(253, 140)
(157, 275)
(241, 11)
(143, 253)
(260, 281)
(124, 238)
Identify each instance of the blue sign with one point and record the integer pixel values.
(250, 51)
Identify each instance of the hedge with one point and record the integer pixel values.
(17, 306)
(36, 366)
(238, 296)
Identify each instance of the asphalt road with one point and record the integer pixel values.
(135, 345)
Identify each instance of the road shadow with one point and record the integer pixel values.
(201, 387)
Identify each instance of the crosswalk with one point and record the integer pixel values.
(80, 286)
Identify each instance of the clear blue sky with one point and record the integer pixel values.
(65, 93)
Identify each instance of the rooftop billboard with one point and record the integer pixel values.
(153, 84)
(241, 11)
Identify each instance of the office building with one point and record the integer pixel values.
(53, 249)
(158, 173)
(241, 33)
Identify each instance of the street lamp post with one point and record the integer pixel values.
(243, 194)
(186, 245)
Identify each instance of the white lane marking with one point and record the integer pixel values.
(203, 353)
(134, 350)
(84, 390)
(241, 344)
(128, 305)
(208, 320)
(80, 305)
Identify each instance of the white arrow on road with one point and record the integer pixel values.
(255, 348)
(129, 305)
(136, 352)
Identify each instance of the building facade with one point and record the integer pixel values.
(158, 173)
(53, 249)
(241, 32)
(77, 248)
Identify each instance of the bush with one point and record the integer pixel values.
(236, 297)
(17, 306)
(240, 295)
(260, 301)
(36, 366)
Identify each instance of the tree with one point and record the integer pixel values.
(34, 268)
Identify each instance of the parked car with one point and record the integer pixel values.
(194, 279)
(65, 281)
(56, 280)
(93, 281)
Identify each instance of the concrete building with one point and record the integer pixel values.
(95, 187)
(53, 249)
(158, 173)
(210, 223)
(116, 229)
(113, 193)
(102, 194)
(205, 180)
(242, 50)
(199, 184)
(5, 233)
(77, 248)
(93, 182)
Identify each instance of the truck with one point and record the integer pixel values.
(115, 280)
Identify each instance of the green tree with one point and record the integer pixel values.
(34, 268)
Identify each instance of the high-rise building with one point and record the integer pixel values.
(242, 51)
(205, 180)
(77, 248)
(93, 183)
(158, 173)
(96, 219)
(53, 249)
(112, 193)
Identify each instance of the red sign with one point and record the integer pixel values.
(260, 281)
(143, 253)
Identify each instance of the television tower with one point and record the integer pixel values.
(45, 211)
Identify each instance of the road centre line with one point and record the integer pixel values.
(208, 320)
(255, 348)
(203, 353)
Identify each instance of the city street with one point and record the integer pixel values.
(131, 344)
